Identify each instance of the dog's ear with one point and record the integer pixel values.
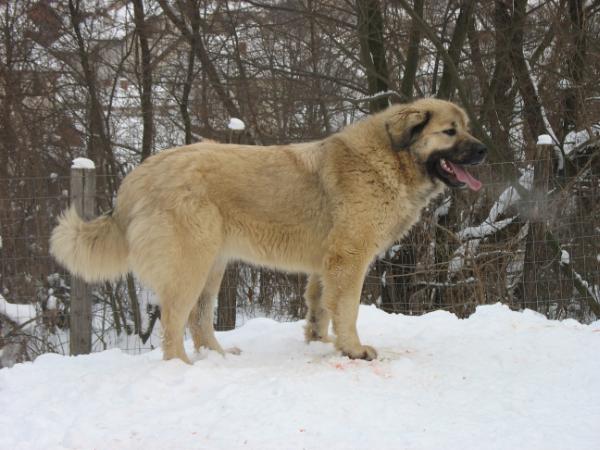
(405, 127)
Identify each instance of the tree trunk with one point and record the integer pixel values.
(575, 67)
(412, 58)
(189, 78)
(532, 105)
(372, 50)
(146, 76)
(458, 38)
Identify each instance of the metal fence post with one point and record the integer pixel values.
(83, 198)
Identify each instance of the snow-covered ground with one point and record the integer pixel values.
(498, 380)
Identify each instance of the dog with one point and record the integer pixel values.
(326, 208)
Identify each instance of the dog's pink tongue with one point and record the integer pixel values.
(465, 177)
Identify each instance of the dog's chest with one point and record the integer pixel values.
(400, 226)
(404, 214)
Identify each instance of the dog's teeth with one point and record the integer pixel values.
(445, 166)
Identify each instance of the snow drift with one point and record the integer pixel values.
(498, 380)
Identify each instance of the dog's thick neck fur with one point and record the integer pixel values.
(370, 139)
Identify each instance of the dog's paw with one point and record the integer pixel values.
(233, 351)
(361, 352)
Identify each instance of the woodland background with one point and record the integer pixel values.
(118, 80)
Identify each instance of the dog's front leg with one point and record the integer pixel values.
(343, 273)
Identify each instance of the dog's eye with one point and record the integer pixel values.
(450, 132)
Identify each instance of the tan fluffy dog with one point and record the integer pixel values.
(326, 208)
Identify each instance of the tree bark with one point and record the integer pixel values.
(412, 57)
(575, 66)
(503, 103)
(532, 105)
(372, 50)
(146, 75)
(447, 85)
(189, 78)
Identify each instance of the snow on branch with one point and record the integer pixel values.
(590, 294)
(578, 140)
(473, 235)
(486, 228)
(458, 261)
(377, 96)
(580, 284)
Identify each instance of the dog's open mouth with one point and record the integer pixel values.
(457, 175)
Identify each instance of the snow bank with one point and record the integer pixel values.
(236, 124)
(83, 163)
(544, 139)
(498, 380)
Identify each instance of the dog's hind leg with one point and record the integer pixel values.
(174, 255)
(317, 317)
(177, 301)
(201, 320)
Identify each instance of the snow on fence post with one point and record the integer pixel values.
(83, 198)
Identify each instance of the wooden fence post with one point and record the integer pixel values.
(83, 198)
(227, 298)
(227, 304)
(537, 269)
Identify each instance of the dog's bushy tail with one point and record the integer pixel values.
(95, 250)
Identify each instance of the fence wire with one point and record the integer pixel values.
(532, 242)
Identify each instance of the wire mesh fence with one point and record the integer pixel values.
(529, 239)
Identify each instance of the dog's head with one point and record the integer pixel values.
(436, 133)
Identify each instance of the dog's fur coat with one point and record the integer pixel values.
(326, 208)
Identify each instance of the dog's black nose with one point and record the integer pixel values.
(480, 150)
